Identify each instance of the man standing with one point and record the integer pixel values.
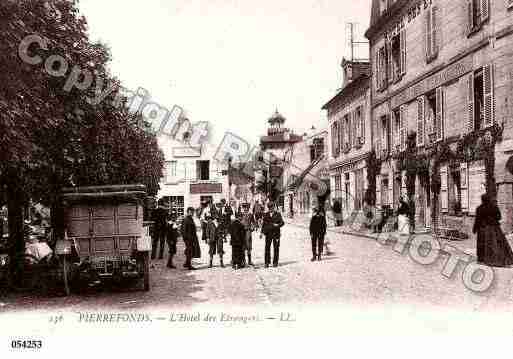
(214, 240)
(248, 221)
(190, 238)
(159, 218)
(237, 233)
(272, 223)
(172, 237)
(317, 233)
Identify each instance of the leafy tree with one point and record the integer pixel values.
(54, 136)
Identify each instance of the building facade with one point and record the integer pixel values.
(350, 137)
(306, 175)
(441, 106)
(275, 150)
(191, 176)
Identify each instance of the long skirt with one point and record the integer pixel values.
(248, 241)
(403, 224)
(492, 247)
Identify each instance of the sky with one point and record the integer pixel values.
(231, 62)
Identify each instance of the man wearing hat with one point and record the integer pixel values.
(190, 238)
(272, 222)
(317, 233)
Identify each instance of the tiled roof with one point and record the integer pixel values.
(359, 81)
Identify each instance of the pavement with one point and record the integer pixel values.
(360, 270)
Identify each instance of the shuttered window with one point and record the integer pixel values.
(432, 33)
(421, 107)
(403, 120)
(439, 114)
(478, 13)
(402, 40)
(489, 113)
(334, 139)
(470, 102)
(444, 195)
(464, 187)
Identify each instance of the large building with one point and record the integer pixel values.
(191, 175)
(441, 92)
(350, 136)
(275, 148)
(306, 176)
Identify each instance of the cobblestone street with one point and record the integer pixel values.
(358, 271)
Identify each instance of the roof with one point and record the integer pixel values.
(361, 81)
(378, 20)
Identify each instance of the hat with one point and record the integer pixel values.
(270, 205)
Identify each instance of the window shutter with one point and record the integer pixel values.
(378, 138)
(340, 135)
(397, 130)
(403, 126)
(429, 33)
(349, 128)
(378, 191)
(383, 134)
(404, 191)
(485, 10)
(390, 192)
(489, 113)
(439, 116)
(471, 23)
(390, 63)
(402, 44)
(334, 138)
(421, 105)
(470, 102)
(443, 190)
(464, 186)
(434, 31)
(376, 67)
(362, 123)
(354, 121)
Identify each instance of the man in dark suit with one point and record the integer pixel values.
(317, 233)
(237, 236)
(159, 218)
(271, 225)
(190, 238)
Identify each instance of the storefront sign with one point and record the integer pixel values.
(200, 188)
(448, 74)
(186, 151)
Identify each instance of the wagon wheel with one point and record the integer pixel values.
(146, 270)
(63, 260)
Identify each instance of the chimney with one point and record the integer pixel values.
(354, 69)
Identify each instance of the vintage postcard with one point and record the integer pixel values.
(241, 178)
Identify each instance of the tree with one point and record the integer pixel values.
(53, 135)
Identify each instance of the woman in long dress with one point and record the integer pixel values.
(492, 247)
(403, 222)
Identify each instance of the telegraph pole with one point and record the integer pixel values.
(350, 28)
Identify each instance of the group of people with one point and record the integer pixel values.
(218, 223)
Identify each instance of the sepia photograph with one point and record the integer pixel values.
(224, 177)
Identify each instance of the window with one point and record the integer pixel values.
(338, 183)
(433, 125)
(335, 148)
(384, 192)
(381, 68)
(386, 135)
(316, 149)
(170, 171)
(454, 191)
(347, 190)
(509, 4)
(174, 203)
(359, 126)
(432, 35)
(347, 132)
(203, 170)
(480, 99)
(359, 190)
(397, 56)
(478, 13)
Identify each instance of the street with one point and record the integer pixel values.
(359, 272)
